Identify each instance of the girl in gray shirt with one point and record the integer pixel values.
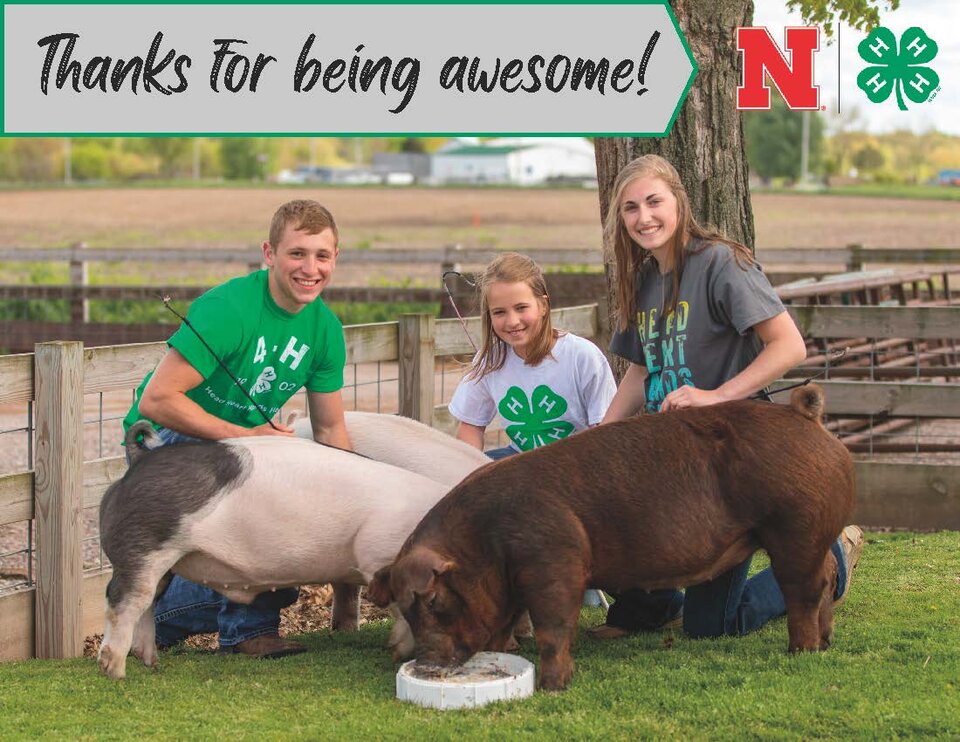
(700, 324)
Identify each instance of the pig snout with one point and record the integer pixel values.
(441, 650)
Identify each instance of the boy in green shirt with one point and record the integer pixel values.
(276, 336)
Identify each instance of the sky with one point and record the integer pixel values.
(940, 19)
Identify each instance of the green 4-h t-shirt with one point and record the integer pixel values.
(271, 352)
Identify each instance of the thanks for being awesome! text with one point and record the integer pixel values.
(235, 68)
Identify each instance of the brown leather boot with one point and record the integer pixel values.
(606, 631)
(265, 647)
(852, 540)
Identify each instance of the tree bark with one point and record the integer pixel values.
(706, 142)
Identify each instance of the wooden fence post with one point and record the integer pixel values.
(58, 493)
(855, 262)
(462, 292)
(79, 278)
(417, 348)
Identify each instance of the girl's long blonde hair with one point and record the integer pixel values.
(511, 267)
(630, 257)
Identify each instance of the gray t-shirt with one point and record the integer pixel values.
(708, 340)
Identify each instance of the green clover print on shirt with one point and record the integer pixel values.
(901, 72)
(537, 419)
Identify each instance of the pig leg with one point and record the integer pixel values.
(130, 595)
(346, 606)
(144, 645)
(825, 618)
(401, 641)
(118, 635)
(805, 586)
(144, 633)
(554, 611)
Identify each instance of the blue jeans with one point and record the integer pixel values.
(501, 453)
(730, 605)
(187, 608)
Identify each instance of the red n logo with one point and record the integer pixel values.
(794, 80)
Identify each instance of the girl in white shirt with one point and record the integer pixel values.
(543, 383)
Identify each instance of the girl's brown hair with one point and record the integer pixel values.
(630, 257)
(511, 267)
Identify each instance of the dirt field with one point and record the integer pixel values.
(419, 217)
(382, 218)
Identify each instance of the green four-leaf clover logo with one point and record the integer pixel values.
(537, 419)
(902, 72)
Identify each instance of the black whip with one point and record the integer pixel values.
(166, 303)
(463, 324)
(835, 356)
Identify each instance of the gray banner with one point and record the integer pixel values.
(373, 69)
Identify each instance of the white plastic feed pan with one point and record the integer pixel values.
(484, 678)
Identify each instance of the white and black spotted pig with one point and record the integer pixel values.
(252, 514)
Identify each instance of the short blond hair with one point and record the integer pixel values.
(304, 215)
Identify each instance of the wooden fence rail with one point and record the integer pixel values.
(51, 618)
(781, 264)
(854, 257)
(79, 293)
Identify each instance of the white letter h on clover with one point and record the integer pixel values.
(918, 82)
(877, 82)
(547, 404)
(878, 45)
(916, 46)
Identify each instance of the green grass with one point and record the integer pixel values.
(881, 190)
(130, 311)
(350, 313)
(893, 671)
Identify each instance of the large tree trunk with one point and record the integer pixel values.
(706, 142)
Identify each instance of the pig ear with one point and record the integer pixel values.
(378, 591)
(422, 568)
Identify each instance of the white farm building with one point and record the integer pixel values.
(517, 161)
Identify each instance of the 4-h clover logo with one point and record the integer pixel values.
(902, 72)
(537, 419)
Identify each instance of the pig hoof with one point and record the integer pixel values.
(110, 665)
(553, 684)
(147, 656)
(556, 679)
(346, 625)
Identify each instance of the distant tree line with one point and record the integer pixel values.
(44, 160)
(773, 146)
(842, 149)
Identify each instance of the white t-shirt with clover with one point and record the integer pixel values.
(540, 404)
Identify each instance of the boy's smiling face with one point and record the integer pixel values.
(301, 266)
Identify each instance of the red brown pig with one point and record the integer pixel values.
(657, 501)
